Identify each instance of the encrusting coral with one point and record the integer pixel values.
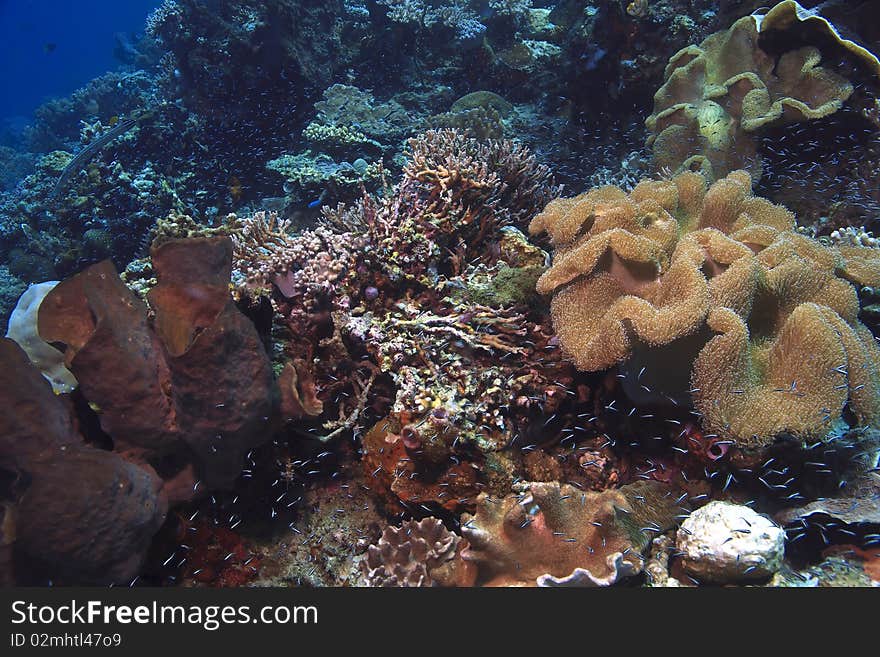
(719, 94)
(710, 296)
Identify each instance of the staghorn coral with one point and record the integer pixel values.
(466, 183)
(710, 297)
(717, 96)
(456, 192)
(422, 553)
(553, 534)
(416, 304)
(300, 266)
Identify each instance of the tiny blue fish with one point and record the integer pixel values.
(315, 203)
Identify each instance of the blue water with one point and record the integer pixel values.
(82, 32)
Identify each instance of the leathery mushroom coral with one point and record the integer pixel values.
(719, 94)
(553, 534)
(708, 297)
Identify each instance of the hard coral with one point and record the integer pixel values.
(719, 94)
(759, 322)
(556, 535)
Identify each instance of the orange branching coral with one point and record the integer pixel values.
(713, 298)
(719, 94)
(556, 535)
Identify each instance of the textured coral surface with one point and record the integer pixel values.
(761, 322)
(718, 94)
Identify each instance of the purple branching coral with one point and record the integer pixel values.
(413, 284)
(301, 266)
(456, 194)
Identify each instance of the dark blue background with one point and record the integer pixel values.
(83, 33)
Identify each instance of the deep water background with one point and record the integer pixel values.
(82, 32)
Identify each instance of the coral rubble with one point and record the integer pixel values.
(723, 542)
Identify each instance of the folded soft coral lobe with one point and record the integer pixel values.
(718, 95)
(717, 281)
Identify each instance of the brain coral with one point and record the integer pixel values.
(719, 94)
(715, 300)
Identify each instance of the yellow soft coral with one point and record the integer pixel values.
(715, 295)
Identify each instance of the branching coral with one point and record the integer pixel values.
(299, 266)
(712, 296)
(456, 192)
(385, 311)
(719, 94)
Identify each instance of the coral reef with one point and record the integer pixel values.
(333, 356)
(717, 278)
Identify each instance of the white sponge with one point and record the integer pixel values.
(23, 329)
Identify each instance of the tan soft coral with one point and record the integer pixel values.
(553, 534)
(716, 301)
(719, 94)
